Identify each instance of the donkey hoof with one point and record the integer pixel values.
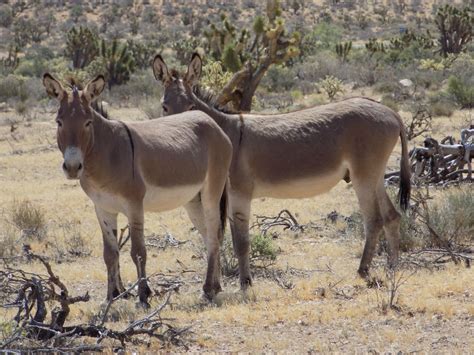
(245, 283)
(364, 273)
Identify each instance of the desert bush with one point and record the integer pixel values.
(141, 86)
(453, 217)
(462, 90)
(8, 241)
(389, 101)
(438, 109)
(279, 78)
(332, 86)
(323, 36)
(76, 12)
(13, 87)
(6, 15)
(29, 218)
(263, 253)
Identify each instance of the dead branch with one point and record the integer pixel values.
(284, 219)
(34, 292)
(441, 162)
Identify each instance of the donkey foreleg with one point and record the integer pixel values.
(138, 253)
(108, 225)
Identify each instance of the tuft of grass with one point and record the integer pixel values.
(29, 218)
(438, 109)
(453, 218)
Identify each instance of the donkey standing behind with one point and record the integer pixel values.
(301, 154)
(146, 166)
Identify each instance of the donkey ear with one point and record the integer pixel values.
(194, 70)
(161, 70)
(53, 87)
(94, 88)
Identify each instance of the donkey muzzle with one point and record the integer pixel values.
(73, 164)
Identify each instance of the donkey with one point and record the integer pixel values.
(301, 154)
(130, 168)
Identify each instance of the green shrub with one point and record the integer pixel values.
(262, 248)
(6, 16)
(279, 78)
(324, 35)
(462, 90)
(332, 86)
(13, 87)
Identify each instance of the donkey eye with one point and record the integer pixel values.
(88, 123)
(60, 124)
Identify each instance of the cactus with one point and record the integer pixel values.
(373, 46)
(455, 27)
(343, 50)
(248, 53)
(118, 62)
(82, 46)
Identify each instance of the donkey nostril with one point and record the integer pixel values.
(79, 167)
(64, 166)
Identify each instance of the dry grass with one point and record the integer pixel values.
(328, 309)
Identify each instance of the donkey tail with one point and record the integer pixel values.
(405, 170)
(223, 209)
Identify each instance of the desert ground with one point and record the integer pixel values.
(327, 306)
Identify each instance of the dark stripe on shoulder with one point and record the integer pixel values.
(131, 146)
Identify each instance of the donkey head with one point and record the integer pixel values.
(175, 100)
(75, 133)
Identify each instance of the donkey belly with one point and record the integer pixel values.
(159, 198)
(300, 187)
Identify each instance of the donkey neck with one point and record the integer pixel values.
(109, 146)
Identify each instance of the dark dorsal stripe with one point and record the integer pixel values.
(132, 146)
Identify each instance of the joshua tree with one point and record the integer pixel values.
(118, 62)
(249, 54)
(455, 27)
(82, 46)
(343, 50)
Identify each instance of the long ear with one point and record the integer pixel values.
(53, 87)
(161, 70)
(194, 70)
(94, 88)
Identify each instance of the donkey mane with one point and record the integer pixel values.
(205, 95)
(210, 98)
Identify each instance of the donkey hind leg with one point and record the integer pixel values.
(391, 224)
(212, 237)
(239, 225)
(138, 253)
(373, 222)
(108, 225)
